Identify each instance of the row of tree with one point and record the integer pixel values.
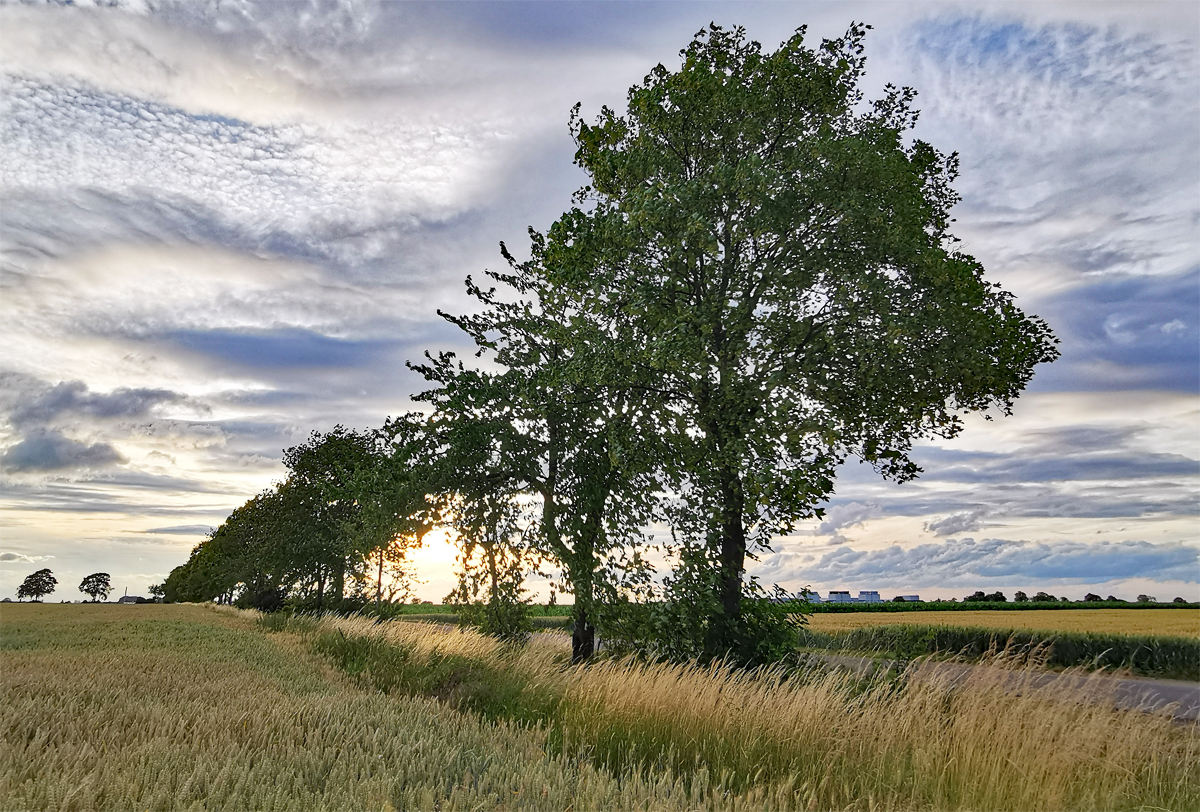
(757, 284)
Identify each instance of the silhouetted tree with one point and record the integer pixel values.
(37, 585)
(97, 585)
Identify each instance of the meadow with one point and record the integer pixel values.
(194, 707)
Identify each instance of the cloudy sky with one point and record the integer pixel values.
(227, 224)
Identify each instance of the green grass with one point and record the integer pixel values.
(1166, 657)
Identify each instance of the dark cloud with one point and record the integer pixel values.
(285, 348)
(49, 450)
(845, 515)
(1126, 333)
(132, 494)
(965, 562)
(956, 523)
(1036, 465)
(73, 398)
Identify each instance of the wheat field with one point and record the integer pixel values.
(1161, 622)
(191, 707)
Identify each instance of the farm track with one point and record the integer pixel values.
(1178, 697)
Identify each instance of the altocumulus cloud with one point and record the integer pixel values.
(968, 562)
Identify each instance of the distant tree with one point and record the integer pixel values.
(1091, 596)
(1179, 600)
(37, 585)
(1147, 599)
(997, 597)
(159, 592)
(97, 585)
(1020, 597)
(898, 599)
(1114, 598)
(1044, 597)
(976, 596)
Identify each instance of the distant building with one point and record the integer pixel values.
(839, 596)
(868, 596)
(131, 599)
(911, 598)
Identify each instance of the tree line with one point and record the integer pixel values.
(757, 283)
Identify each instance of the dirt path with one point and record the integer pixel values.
(1178, 697)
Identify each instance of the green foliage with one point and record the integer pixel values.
(37, 585)
(97, 586)
(676, 626)
(772, 258)
(352, 498)
(1167, 657)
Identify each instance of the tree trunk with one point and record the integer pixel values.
(583, 636)
(320, 587)
(379, 584)
(338, 582)
(723, 631)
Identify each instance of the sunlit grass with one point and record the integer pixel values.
(180, 707)
(823, 740)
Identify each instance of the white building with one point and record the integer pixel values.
(839, 596)
(868, 596)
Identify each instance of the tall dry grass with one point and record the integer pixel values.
(186, 707)
(821, 740)
(183, 707)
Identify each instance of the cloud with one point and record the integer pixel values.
(1126, 333)
(841, 516)
(959, 562)
(49, 450)
(21, 558)
(1078, 142)
(956, 523)
(72, 397)
(182, 530)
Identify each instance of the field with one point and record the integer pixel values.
(1165, 622)
(180, 707)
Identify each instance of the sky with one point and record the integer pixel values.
(224, 225)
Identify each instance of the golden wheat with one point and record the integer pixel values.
(996, 742)
(182, 707)
(1163, 622)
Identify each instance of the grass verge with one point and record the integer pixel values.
(800, 738)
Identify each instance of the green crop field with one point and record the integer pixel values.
(192, 707)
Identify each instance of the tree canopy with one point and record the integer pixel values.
(757, 285)
(37, 585)
(97, 586)
(774, 253)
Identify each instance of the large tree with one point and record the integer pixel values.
(539, 428)
(37, 585)
(96, 586)
(774, 255)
